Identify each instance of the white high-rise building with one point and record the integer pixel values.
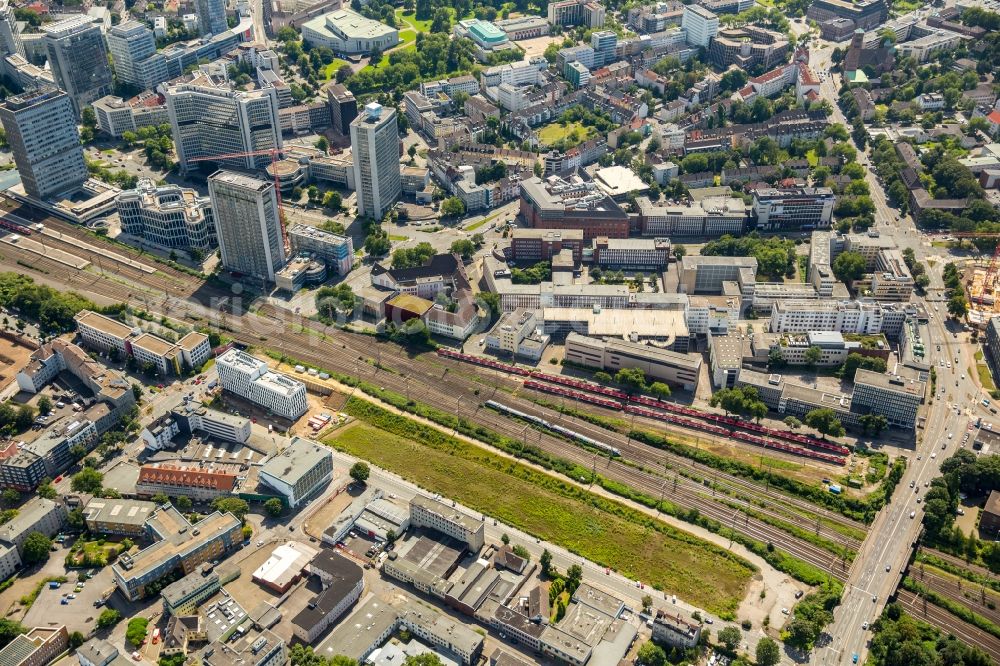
(10, 36)
(209, 120)
(79, 60)
(375, 147)
(41, 130)
(250, 378)
(247, 225)
(133, 51)
(700, 24)
(212, 14)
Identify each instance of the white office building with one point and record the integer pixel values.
(247, 224)
(133, 48)
(250, 378)
(375, 147)
(347, 32)
(700, 25)
(41, 131)
(209, 120)
(169, 216)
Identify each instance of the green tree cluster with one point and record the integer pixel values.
(742, 400)
(413, 256)
(775, 256)
(331, 301)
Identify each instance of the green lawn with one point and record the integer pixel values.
(575, 131)
(410, 19)
(813, 158)
(604, 531)
(331, 69)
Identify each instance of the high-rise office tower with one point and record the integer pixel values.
(700, 25)
(247, 224)
(41, 130)
(133, 51)
(210, 120)
(212, 15)
(10, 36)
(375, 145)
(79, 60)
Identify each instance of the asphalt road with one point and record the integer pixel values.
(879, 564)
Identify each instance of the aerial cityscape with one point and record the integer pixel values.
(564, 332)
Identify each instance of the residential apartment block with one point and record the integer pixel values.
(119, 517)
(250, 378)
(179, 545)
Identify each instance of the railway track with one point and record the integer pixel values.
(440, 391)
(978, 599)
(950, 624)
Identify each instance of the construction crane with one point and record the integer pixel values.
(275, 155)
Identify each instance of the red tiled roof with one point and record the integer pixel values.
(775, 73)
(187, 477)
(994, 117)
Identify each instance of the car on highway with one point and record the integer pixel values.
(887, 567)
(784, 611)
(913, 483)
(950, 435)
(864, 626)
(854, 658)
(934, 455)
(912, 514)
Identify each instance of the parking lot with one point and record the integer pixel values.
(77, 614)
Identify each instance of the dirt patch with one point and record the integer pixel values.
(536, 47)
(324, 516)
(13, 357)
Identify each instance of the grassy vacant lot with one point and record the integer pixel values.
(93, 553)
(575, 132)
(602, 530)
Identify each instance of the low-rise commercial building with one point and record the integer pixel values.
(254, 647)
(517, 334)
(348, 33)
(299, 472)
(285, 566)
(562, 205)
(337, 251)
(612, 355)
(798, 208)
(647, 254)
(199, 481)
(897, 396)
(430, 513)
(342, 581)
(712, 216)
(106, 334)
(183, 596)
(529, 246)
